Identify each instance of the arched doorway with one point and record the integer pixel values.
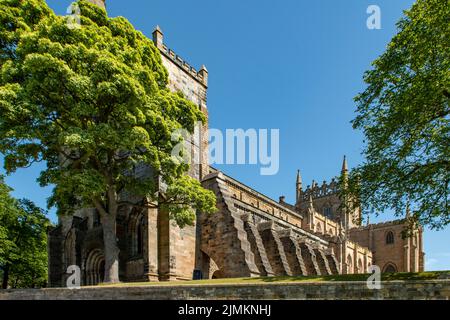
(95, 267)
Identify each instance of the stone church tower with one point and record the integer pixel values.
(152, 248)
(251, 235)
(326, 201)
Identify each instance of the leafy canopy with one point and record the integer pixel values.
(8, 209)
(404, 114)
(23, 241)
(93, 103)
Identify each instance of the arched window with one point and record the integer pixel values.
(349, 264)
(140, 240)
(318, 228)
(360, 266)
(389, 268)
(70, 250)
(390, 238)
(136, 231)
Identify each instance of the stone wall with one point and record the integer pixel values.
(357, 259)
(245, 240)
(245, 195)
(405, 255)
(194, 85)
(183, 250)
(176, 249)
(393, 290)
(223, 237)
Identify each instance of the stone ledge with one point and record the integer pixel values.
(343, 290)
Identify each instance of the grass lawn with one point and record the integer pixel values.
(430, 275)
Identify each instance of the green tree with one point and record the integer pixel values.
(93, 103)
(23, 242)
(8, 208)
(404, 114)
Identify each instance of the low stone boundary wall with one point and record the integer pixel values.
(403, 290)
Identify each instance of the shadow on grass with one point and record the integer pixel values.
(399, 276)
(405, 276)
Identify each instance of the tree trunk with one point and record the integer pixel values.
(111, 249)
(5, 277)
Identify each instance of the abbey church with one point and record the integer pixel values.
(251, 235)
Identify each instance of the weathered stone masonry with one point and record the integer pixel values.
(393, 290)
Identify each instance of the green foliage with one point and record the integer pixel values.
(93, 103)
(404, 114)
(23, 241)
(8, 209)
(187, 191)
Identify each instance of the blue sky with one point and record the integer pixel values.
(290, 65)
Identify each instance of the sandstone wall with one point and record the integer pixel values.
(245, 238)
(406, 255)
(394, 290)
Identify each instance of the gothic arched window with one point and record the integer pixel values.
(390, 268)
(390, 238)
(139, 234)
(349, 265)
(360, 266)
(318, 228)
(136, 234)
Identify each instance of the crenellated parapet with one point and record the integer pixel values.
(200, 76)
(197, 75)
(318, 191)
